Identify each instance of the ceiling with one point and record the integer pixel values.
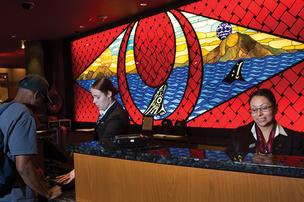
(57, 19)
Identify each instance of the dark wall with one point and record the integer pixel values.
(57, 71)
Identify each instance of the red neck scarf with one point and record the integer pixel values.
(263, 146)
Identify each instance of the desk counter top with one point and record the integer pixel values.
(289, 166)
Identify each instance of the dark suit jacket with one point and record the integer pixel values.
(242, 142)
(114, 122)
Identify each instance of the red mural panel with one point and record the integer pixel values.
(87, 49)
(284, 18)
(84, 108)
(193, 88)
(134, 112)
(154, 49)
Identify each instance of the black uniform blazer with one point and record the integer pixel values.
(114, 122)
(242, 142)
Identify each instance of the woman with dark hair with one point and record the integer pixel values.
(113, 119)
(264, 135)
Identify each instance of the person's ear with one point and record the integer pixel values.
(36, 95)
(109, 94)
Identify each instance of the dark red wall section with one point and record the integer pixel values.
(87, 49)
(282, 17)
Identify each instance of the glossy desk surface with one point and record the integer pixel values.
(290, 166)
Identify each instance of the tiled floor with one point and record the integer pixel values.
(68, 196)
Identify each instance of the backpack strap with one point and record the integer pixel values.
(2, 109)
(8, 171)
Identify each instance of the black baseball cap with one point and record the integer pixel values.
(36, 83)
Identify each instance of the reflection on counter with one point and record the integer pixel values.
(291, 166)
(85, 130)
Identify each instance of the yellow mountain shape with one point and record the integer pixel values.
(237, 46)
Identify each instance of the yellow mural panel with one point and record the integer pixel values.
(280, 43)
(130, 61)
(300, 47)
(265, 41)
(114, 62)
(182, 53)
(295, 43)
(288, 48)
(181, 47)
(210, 48)
(180, 40)
(233, 39)
(215, 43)
(204, 44)
(204, 51)
(211, 34)
(239, 29)
(201, 35)
(209, 40)
(262, 36)
(181, 61)
(129, 55)
(104, 61)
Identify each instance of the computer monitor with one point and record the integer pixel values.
(147, 123)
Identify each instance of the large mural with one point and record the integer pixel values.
(190, 64)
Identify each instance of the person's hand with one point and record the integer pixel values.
(54, 192)
(66, 178)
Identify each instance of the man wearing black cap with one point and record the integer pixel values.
(18, 129)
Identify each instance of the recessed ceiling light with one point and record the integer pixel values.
(28, 5)
(13, 36)
(81, 27)
(22, 44)
(143, 4)
(102, 17)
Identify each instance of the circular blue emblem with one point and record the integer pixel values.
(223, 30)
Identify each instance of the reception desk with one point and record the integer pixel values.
(181, 174)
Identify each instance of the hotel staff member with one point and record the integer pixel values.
(113, 119)
(264, 135)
